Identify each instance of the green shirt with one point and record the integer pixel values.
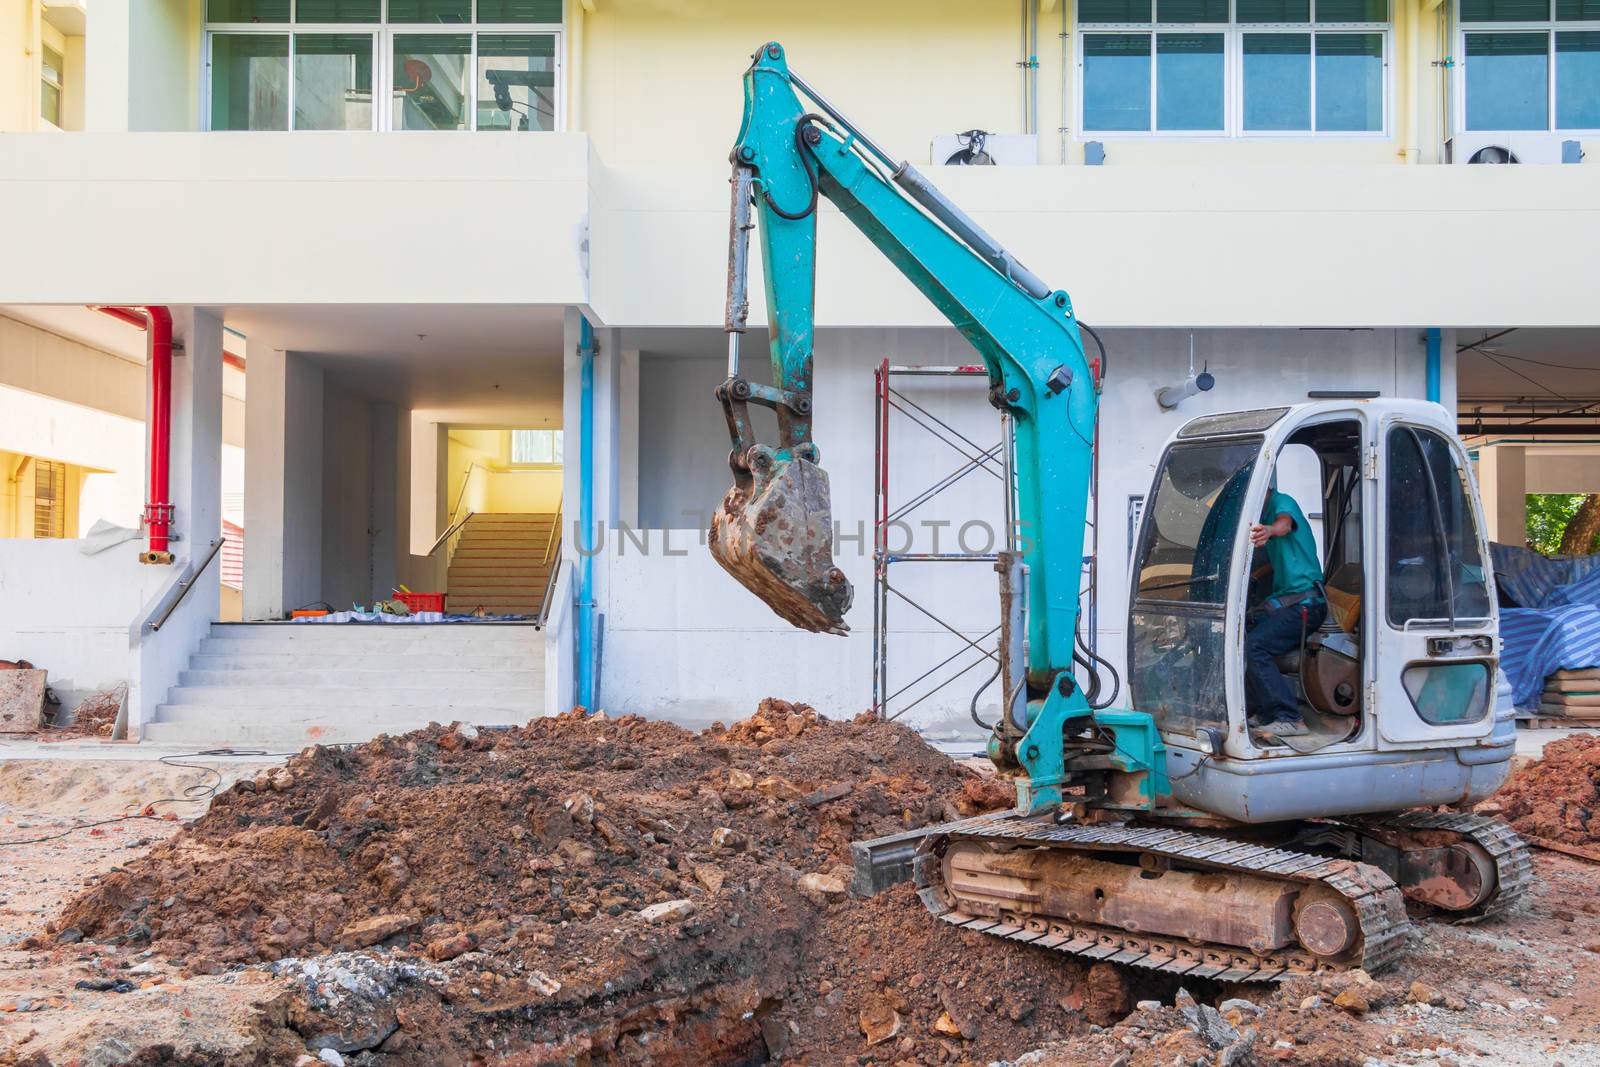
(1295, 568)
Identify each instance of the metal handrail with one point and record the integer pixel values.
(553, 540)
(549, 588)
(450, 532)
(184, 585)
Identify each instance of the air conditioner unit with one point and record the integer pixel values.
(982, 148)
(1519, 147)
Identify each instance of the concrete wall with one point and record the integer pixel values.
(347, 497)
(683, 638)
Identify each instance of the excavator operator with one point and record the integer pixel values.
(1295, 607)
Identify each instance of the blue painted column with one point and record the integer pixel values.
(1434, 336)
(586, 532)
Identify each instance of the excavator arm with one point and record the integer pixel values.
(774, 530)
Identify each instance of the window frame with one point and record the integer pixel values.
(383, 33)
(1549, 27)
(1233, 33)
(58, 83)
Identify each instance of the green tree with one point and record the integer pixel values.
(1549, 515)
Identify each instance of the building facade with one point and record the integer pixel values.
(405, 215)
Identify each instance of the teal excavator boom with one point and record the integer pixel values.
(774, 530)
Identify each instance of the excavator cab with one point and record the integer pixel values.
(1397, 686)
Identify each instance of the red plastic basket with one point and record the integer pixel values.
(422, 601)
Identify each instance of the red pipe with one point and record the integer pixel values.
(158, 506)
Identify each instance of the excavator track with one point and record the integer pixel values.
(1373, 899)
(1504, 848)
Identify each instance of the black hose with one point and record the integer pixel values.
(1116, 679)
(973, 709)
(803, 150)
(1101, 345)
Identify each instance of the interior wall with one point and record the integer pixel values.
(347, 494)
(683, 440)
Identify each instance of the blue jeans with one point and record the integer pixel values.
(1268, 695)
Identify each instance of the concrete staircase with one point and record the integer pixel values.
(286, 685)
(499, 565)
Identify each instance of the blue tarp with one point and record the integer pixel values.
(1556, 625)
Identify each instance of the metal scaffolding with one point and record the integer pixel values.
(993, 461)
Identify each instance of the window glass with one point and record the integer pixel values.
(1189, 81)
(1578, 80)
(1188, 531)
(50, 68)
(516, 81)
(1578, 10)
(1272, 11)
(519, 11)
(1182, 11)
(1505, 10)
(1435, 568)
(1102, 11)
(1352, 10)
(536, 446)
(337, 10)
(332, 81)
(249, 81)
(1116, 81)
(430, 80)
(247, 10)
(1508, 81)
(1350, 81)
(448, 11)
(1448, 693)
(1277, 81)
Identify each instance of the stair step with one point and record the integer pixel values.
(335, 698)
(375, 661)
(301, 676)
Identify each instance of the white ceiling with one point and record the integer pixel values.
(489, 365)
(1547, 365)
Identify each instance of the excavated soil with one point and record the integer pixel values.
(1556, 798)
(597, 890)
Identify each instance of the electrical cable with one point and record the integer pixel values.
(1105, 364)
(199, 792)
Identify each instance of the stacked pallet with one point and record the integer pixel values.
(1572, 694)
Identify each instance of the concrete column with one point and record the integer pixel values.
(283, 483)
(196, 485)
(107, 46)
(143, 65)
(1503, 484)
(384, 501)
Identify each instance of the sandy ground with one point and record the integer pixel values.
(1521, 991)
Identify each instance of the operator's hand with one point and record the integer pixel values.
(1259, 534)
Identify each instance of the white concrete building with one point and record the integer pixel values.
(334, 191)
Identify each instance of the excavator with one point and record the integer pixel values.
(1166, 834)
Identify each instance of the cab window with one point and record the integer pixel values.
(1435, 567)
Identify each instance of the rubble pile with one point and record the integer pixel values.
(603, 890)
(1556, 798)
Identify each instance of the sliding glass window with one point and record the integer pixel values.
(1530, 65)
(383, 65)
(1257, 68)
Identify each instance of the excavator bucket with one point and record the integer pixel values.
(775, 535)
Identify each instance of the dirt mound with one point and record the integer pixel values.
(617, 889)
(1556, 798)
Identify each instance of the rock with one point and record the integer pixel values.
(778, 789)
(1354, 1001)
(837, 791)
(70, 936)
(1239, 1052)
(709, 876)
(581, 807)
(667, 911)
(376, 928)
(577, 853)
(448, 948)
(1239, 1004)
(730, 839)
(878, 1020)
(1148, 1005)
(946, 1025)
(1423, 993)
(202, 965)
(1311, 1003)
(331, 1058)
(1454, 1003)
(822, 887)
(466, 731)
(738, 779)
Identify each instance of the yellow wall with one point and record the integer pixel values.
(23, 32)
(495, 487)
(658, 81)
(17, 497)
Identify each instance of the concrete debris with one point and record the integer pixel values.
(667, 911)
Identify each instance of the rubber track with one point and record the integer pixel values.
(1513, 860)
(1377, 901)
